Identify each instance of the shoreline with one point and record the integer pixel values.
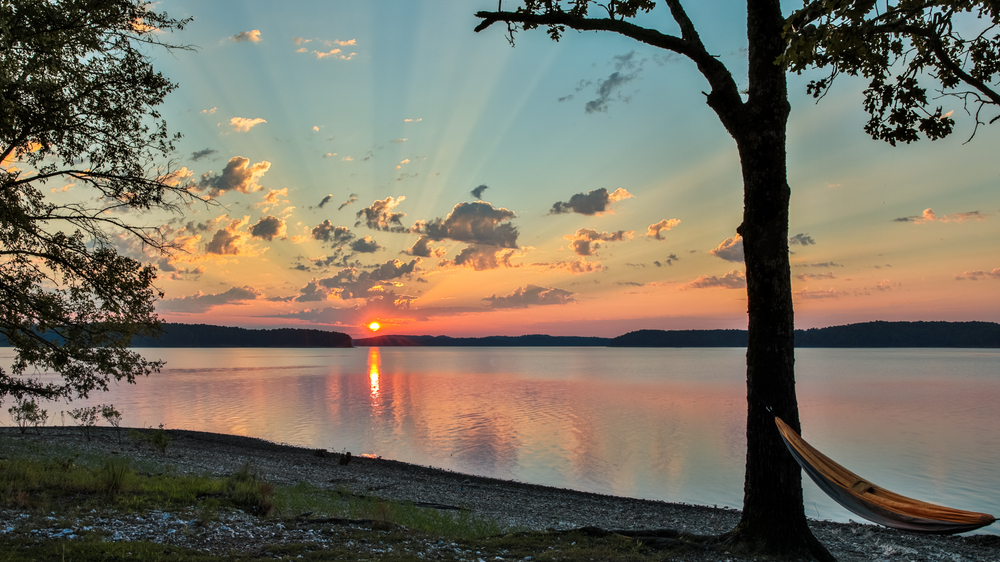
(512, 504)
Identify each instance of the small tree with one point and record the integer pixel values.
(27, 413)
(77, 106)
(85, 418)
(114, 418)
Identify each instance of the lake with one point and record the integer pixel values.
(664, 423)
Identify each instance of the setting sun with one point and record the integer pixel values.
(374, 326)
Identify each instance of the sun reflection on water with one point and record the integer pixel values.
(374, 366)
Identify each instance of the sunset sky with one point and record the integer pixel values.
(379, 160)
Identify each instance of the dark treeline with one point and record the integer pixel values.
(534, 340)
(205, 335)
(867, 334)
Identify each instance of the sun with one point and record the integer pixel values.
(374, 326)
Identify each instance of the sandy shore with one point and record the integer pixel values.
(512, 504)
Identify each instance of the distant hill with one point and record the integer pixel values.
(205, 335)
(681, 338)
(535, 340)
(867, 334)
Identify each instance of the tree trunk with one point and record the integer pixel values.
(773, 518)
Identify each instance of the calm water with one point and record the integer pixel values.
(662, 424)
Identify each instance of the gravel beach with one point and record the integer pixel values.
(512, 504)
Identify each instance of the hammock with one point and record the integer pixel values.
(873, 502)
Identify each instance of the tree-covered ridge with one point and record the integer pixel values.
(205, 335)
(865, 334)
(532, 340)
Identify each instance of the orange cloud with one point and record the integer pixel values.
(252, 36)
(735, 279)
(730, 249)
(586, 241)
(242, 124)
(666, 224)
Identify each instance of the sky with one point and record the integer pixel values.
(381, 161)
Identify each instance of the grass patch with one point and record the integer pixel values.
(306, 499)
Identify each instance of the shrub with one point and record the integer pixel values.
(158, 438)
(26, 413)
(114, 418)
(86, 418)
(248, 492)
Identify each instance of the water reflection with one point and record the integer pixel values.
(374, 366)
(655, 423)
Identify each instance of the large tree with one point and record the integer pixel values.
(77, 110)
(892, 43)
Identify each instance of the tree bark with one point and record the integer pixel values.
(773, 519)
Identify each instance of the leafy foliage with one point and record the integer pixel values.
(894, 44)
(27, 413)
(86, 418)
(77, 106)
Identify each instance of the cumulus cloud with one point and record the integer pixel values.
(801, 240)
(242, 124)
(483, 258)
(325, 201)
(978, 274)
(654, 230)
(334, 53)
(380, 215)
(268, 228)
(209, 111)
(422, 248)
(586, 241)
(350, 283)
(594, 203)
(475, 223)
(350, 200)
(579, 266)
(201, 302)
(273, 198)
(176, 177)
(366, 245)
(732, 280)
(929, 216)
(252, 36)
(730, 249)
(231, 240)
(336, 235)
(204, 153)
(478, 192)
(238, 175)
(530, 295)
